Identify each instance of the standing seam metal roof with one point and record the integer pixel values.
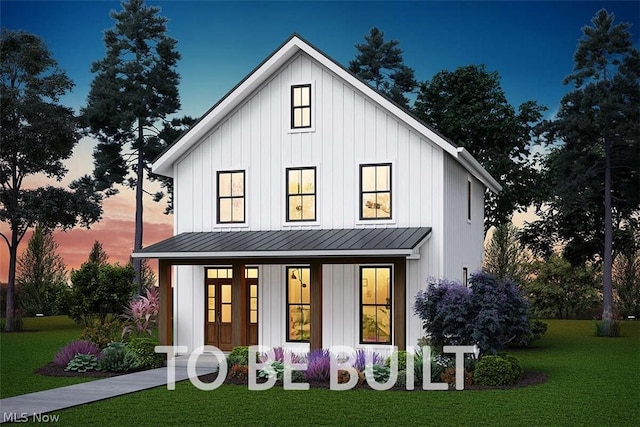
(360, 239)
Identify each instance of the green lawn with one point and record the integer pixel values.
(593, 381)
(21, 353)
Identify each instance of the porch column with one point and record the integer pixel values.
(400, 303)
(315, 341)
(238, 305)
(165, 313)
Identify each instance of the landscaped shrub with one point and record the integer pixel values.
(361, 359)
(449, 376)
(318, 365)
(275, 369)
(380, 373)
(498, 371)
(141, 316)
(114, 358)
(401, 357)
(82, 363)
(238, 356)
(69, 351)
(490, 313)
(140, 354)
(101, 334)
(238, 372)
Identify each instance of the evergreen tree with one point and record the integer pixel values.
(469, 107)
(593, 172)
(97, 254)
(38, 134)
(504, 256)
(135, 87)
(380, 64)
(42, 275)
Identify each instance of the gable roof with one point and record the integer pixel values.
(163, 165)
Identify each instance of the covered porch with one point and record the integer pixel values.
(237, 250)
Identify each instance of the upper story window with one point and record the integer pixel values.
(301, 106)
(301, 194)
(375, 191)
(468, 200)
(231, 191)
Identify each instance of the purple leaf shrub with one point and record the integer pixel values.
(142, 314)
(318, 365)
(69, 351)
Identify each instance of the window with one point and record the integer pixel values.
(298, 304)
(375, 305)
(301, 106)
(465, 276)
(252, 273)
(231, 197)
(468, 200)
(375, 189)
(301, 194)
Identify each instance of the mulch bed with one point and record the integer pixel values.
(53, 370)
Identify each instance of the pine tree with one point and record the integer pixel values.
(135, 87)
(380, 63)
(42, 275)
(97, 254)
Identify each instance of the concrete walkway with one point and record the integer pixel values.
(78, 394)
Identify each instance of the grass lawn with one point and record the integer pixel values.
(593, 381)
(21, 353)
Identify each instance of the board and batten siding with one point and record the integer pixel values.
(349, 129)
(463, 246)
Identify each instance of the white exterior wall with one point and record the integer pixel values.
(349, 129)
(463, 246)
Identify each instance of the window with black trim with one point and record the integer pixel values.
(301, 194)
(231, 191)
(298, 304)
(375, 191)
(301, 106)
(375, 305)
(465, 276)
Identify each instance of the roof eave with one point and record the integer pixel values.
(408, 253)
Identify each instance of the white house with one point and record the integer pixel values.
(309, 211)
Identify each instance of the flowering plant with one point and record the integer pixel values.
(141, 316)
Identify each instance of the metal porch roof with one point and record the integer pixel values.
(290, 243)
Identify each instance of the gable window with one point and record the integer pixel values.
(298, 304)
(301, 194)
(375, 191)
(375, 305)
(465, 276)
(301, 106)
(468, 200)
(231, 191)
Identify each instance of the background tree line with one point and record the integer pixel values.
(583, 182)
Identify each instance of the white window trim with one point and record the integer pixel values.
(394, 193)
(314, 104)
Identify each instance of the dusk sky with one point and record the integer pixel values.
(530, 44)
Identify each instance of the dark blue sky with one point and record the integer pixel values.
(530, 44)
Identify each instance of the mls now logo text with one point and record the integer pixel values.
(25, 417)
(341, 359)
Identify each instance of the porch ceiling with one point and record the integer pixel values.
(290, 244)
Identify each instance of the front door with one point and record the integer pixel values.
(218, 309)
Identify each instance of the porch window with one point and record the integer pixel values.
(298, 304)
(231, 190)
(301, 106)
(375, 305)
(301, 194)
(375, 191)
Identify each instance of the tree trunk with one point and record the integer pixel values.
(607, 290)
(137, 262)
(11, 286)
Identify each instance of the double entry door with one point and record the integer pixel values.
(218, 318)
